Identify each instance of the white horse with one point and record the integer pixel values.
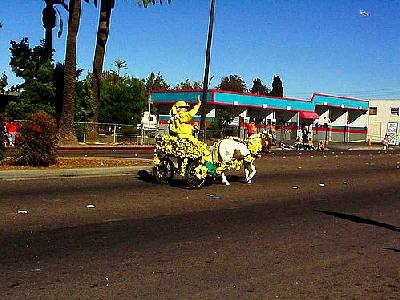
(235, 153)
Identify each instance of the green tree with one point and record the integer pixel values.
(233, 83)
(38, 140)
(122, 102)
(37, 90)
(259, 88)
(187, 85)
(3, 82)
(83, 101)
(120, 64)
(155, 83)
(277, 87)
(2, 138)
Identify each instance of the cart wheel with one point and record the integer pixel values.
(192, 180)
(164, 172)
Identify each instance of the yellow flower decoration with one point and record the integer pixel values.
(183, 166)
(156, 160)
(201, 171)
(249, 158)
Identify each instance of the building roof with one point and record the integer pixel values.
(247, 100)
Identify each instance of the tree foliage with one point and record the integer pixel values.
(233, 83)
(2, 138)
(38, 91)
(122, 102)
(38, 141)
(3, 82)
(155, 82)
(120, 64)
(277, 87)
(259, 88)
(187, 85)
(83, 106)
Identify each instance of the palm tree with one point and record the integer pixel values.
(49, 22)
(120, 64)
(66, 130)
(99, 54)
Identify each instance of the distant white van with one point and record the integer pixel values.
(148, 122)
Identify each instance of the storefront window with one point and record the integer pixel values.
(394, 111)
(373, 111)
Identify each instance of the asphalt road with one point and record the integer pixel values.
(309, 227)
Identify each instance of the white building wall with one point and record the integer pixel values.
(377, 124)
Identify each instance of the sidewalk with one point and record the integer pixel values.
(66, 173)
(357, 146)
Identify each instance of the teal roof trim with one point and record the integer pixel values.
(218, 97)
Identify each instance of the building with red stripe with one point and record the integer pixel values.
(327, 117)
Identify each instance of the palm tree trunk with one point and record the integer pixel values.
(207, 70)
(98, 62)
(66, 129)
(49, 22)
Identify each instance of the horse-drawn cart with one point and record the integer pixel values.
(185, 157)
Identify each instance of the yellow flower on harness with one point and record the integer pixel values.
(254, 144)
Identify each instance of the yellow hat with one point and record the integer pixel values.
(181, 104)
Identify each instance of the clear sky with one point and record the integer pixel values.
(314, 45)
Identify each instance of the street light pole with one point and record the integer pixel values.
(207, 70)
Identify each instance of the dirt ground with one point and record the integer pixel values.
(82, 162)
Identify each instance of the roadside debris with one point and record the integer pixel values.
(22, 211)
(214, 196)
(322, 184)
(90, 206)
(295, 187)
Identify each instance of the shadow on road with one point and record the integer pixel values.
(392, 249)
(357, 219)
(146, 176)
(181, 183)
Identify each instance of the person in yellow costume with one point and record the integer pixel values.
(179, 125)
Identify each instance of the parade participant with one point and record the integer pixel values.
(179, 125)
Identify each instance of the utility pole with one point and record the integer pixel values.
(207, 70)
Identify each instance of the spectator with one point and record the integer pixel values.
(251, 128)
(385, 142)
(305, 138)
(12, 129)
(321, 145)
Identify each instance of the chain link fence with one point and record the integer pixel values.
(111, 133)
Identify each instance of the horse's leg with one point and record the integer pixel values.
(224, 180)
(246, 173)
(250, 171)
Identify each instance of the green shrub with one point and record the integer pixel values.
(3, 139)
(38, 140)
